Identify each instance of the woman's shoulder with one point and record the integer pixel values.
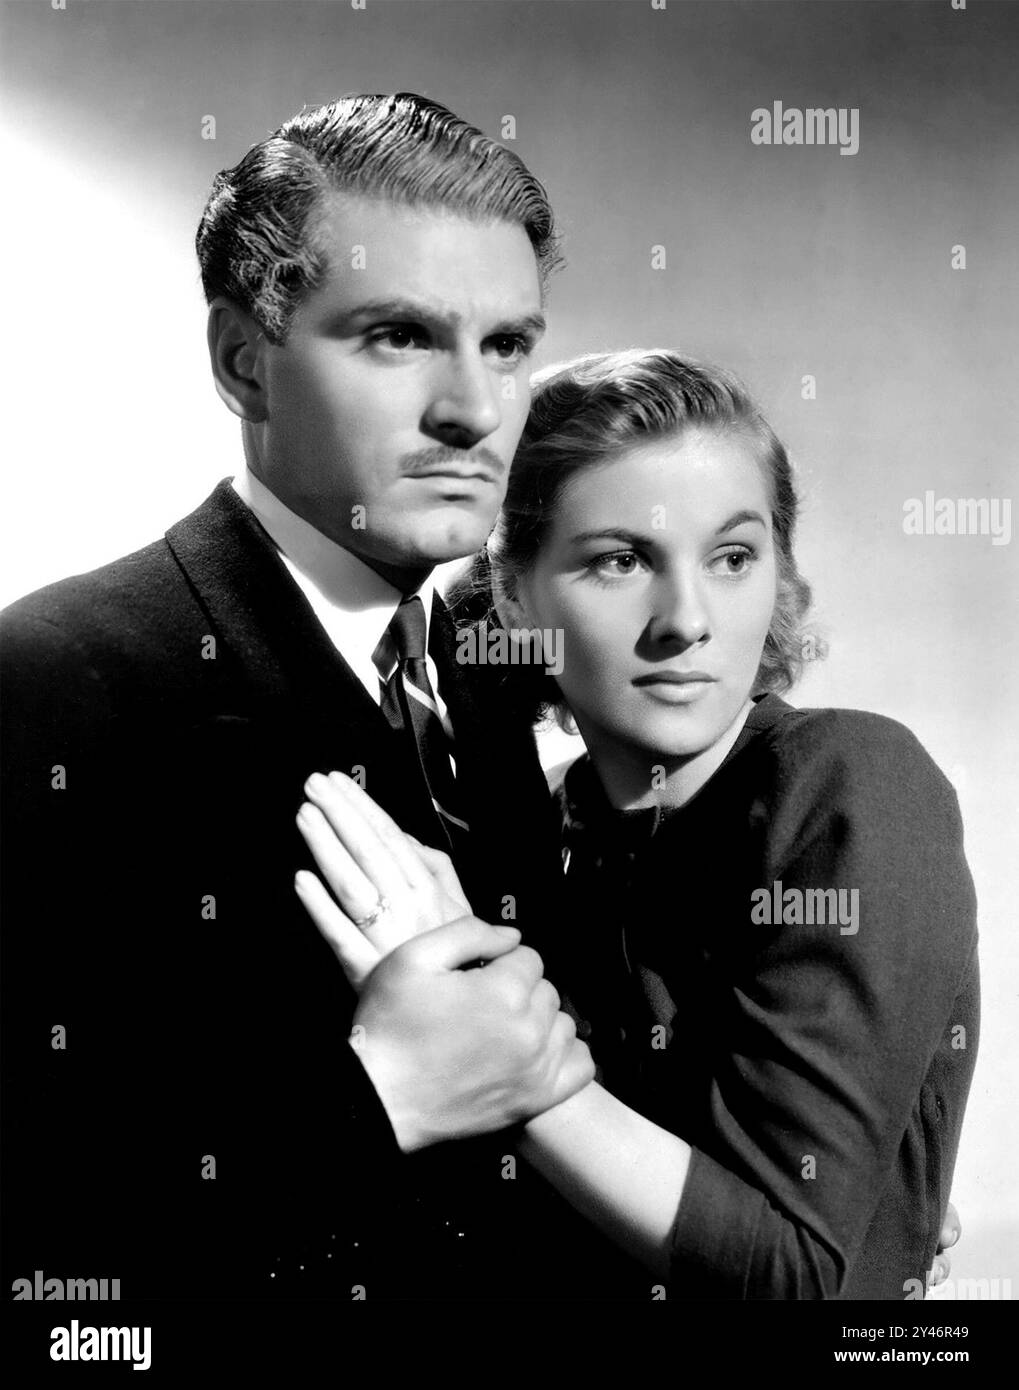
(856, 730)
(847, 797)
(850, 751)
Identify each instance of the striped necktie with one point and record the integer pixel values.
(408, 702)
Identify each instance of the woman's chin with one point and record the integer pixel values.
(679, 737)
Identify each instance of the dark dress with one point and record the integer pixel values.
(819, 1069)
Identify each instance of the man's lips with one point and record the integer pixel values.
(483, 475)
(480, 465)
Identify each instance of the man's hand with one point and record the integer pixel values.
(454, 1052)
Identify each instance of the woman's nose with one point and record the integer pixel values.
(680, 612)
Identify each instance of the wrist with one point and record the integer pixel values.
(559, 1119)
(404, 1120)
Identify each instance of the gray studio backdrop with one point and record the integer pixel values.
(832, 282)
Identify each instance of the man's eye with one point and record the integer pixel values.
(399, 337)
(512, 347)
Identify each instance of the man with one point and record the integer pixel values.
(184, 1110)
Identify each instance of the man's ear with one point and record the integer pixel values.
(236, 350)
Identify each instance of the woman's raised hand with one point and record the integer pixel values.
(386, 886)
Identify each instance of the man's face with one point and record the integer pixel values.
(395, 406)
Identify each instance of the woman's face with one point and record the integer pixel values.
(660, 569)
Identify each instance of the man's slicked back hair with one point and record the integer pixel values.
(258, 240)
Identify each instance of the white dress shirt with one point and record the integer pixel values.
(353, 603)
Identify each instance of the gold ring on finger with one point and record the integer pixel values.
(380, 908)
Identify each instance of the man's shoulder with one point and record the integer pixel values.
(131, 601)
(80, 599)
(125, 611)
(131, 618)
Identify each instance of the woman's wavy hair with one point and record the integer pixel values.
(589, 411)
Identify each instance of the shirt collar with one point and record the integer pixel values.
(340, 585)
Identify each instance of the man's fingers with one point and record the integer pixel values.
(545, 999)
(951, 1229)
(356, 955)
(524, 963)
(577, 1069)
(458, 943)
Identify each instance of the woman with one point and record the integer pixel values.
(772, 935)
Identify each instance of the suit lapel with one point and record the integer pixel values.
(284, 670)
(285, 703)
(262, 618)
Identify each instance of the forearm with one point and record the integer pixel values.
(619, 1170)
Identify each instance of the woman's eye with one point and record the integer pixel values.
(618, 565)
(733, 562)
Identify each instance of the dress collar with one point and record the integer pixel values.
(586, 810)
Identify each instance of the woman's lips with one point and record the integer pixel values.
(675, 687)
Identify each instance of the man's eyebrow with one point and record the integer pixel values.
(420, 312)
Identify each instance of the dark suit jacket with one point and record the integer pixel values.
(186, 692)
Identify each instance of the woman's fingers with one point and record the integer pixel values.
(355, 953)
(373, 838)
(355, 892)
(951, 1229)
(396, 840)
(440, 866)
(358, 836)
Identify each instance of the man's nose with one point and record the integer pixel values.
(680, 611)
(465, 404)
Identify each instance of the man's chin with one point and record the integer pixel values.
(424, 547)
(454, 535)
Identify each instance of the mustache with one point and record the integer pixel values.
(424, 459)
